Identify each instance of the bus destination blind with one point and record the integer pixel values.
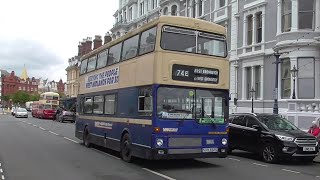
(195, 74)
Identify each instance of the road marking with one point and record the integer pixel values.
(260, 164)
(24, 121)
(54, 133)
(0, 164)
(2, 177)
(71, 140)
(288, 170)
(106, 153)
(233, 159)
(1, 171)
(159, 174)
(34, 125)
(29, 123)
(317, 176)
(42, 128)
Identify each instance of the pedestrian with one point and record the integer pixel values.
(315, 128)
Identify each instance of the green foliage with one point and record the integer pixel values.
(20, 97)
(6, 97)
(34, 97)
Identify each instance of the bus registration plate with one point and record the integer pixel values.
(206, 150)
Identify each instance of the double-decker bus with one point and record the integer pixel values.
(48, 104)
(159, 92)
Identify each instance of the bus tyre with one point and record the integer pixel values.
(126, 148)
(86, 139)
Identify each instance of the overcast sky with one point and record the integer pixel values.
(44, 34)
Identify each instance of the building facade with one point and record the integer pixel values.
(256, 30)
(12, 84)
(73, 77)
(259, 28)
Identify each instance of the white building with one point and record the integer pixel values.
(256, 29)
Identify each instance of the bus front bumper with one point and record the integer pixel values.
(158, 154)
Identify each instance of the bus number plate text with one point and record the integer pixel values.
(195, 74)
(206, 150)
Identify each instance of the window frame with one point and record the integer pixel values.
(308, 11)
(258, 27)
(145, 88)
(84, 103)
(249, 30)
(284, 14)
(85, 68)
(221, 35)
(115, 104)
(138, 47)
(98, 56)
(95, 65)
(94, 101)
(284, 79)
(300, 78)
(154, 46)
(121, 43)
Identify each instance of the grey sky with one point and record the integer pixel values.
(44, 34)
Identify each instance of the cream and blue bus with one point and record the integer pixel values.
(158, 92)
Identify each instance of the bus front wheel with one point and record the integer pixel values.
(126, 148)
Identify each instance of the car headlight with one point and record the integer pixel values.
(159, 142)
(284, 138)
(224, 141)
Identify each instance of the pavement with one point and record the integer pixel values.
(37, 149)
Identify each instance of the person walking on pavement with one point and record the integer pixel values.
(315, 128)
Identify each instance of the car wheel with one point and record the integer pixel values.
(126, 148)
(269, 153)
(86, 138)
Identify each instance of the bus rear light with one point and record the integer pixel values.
(156, 129)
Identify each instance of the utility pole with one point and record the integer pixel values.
(275, 91)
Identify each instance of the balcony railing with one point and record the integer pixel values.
(304, 105)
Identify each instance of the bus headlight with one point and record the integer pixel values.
(159, 142)
(224, 141)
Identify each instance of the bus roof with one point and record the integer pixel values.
(181, 21)
(50, 93)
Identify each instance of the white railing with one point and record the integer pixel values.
(304, 105)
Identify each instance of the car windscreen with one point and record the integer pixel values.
(277, 123)
(21, 110)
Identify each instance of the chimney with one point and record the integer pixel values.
(79, 49)
(97, 42)
(107, 38)
(83, 47)
(88, 45)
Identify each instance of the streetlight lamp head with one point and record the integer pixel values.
(294, 71)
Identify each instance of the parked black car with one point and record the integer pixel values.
(270, 136)
(64, 115)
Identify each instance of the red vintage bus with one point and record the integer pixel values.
(48, 104)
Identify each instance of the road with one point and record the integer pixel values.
(34, 149)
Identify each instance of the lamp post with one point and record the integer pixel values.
(294, 71)
(252, 91)
(275, 92)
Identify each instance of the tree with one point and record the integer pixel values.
(35, 97)
(6, 97)
(20, 97)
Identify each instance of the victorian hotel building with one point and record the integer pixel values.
(257, 29)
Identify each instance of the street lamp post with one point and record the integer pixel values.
(275, 105)
(252, 91)
(294, 71)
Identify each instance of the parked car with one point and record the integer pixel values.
(271, 136)
(21, 112)
(64, 115)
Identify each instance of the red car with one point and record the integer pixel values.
(46, 112)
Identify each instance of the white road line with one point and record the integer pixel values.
(260, 164)
(106, 153)
(159, 174)
(317, 176)
(71, 140)
(54, 133)
(2, 177)
(42, 128)
(24, 121)
(0, 164)
(1, 171)
(288, 170)
(233, 159)
(34, 125)
(29, 123)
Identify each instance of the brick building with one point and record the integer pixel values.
(12, 84)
